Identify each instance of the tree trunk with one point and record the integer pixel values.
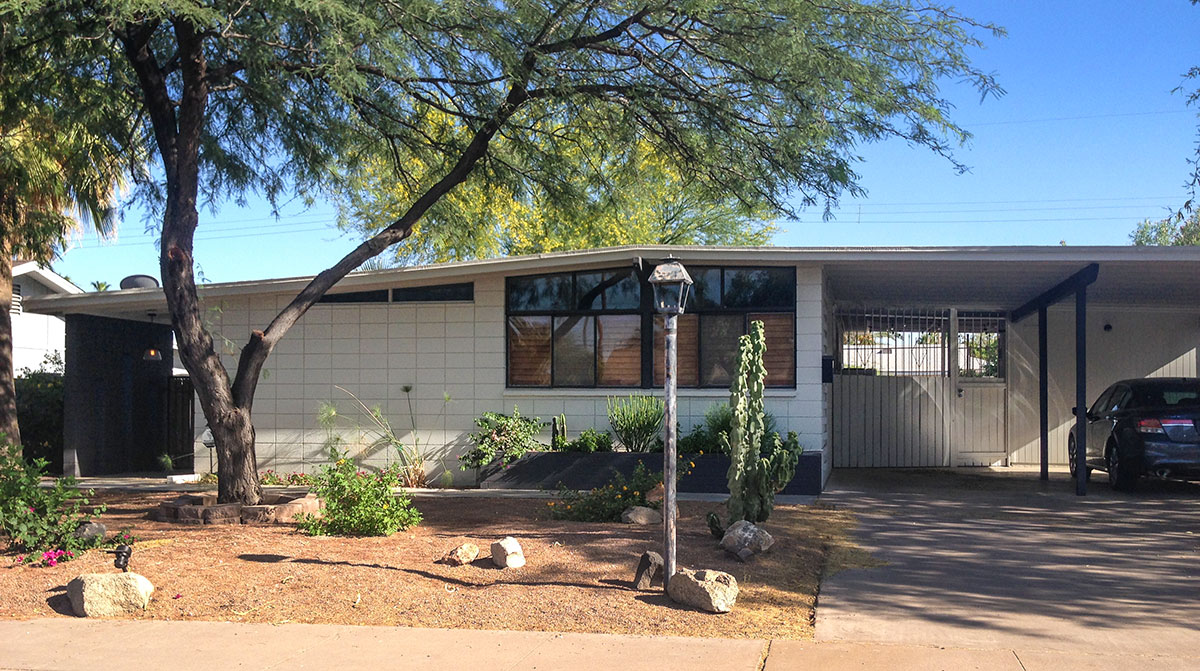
(8, 390)
(237, 463)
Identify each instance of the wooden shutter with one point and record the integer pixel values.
(529, 351)
(780, 358)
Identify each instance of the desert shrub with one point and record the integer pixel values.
(605, 504)
(590, 440)
(718, 419)
(503, 437)
(41, 520)
(357, 503)
(40, 411)
(637, 421)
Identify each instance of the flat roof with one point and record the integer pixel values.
(998, 277)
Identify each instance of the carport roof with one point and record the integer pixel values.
(999, 278)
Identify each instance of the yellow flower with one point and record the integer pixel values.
(691, 464)
(635, 493)
(624, 488)
(551, 504)
(568, 507)
(618, 496)
(701, 451)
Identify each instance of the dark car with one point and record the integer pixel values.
(1144, 427)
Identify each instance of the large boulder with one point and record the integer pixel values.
(744, 540)
(463, 554)
(713, 591)
(507, 553)
(109, 594)
(641, 515)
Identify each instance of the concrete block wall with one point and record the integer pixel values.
(1141, 343)
(391, 355)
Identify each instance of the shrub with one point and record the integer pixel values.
(590, 440)
(40, 411)
(718, 419)
(637, 421)
(357, 503)
(503, 437)
(606, 504)
(41, 520)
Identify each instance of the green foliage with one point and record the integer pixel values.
(357, 503)
(40, 411)
(374, 433)
(607, 503)
(637, 421)
(718, 419)
(755, 473)
(590, 440)
(36, 519)
(503, 437)
(1169, 231)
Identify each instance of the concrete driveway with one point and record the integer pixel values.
(981, 560)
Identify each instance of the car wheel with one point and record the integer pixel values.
(1071, 460)
(1120, 474)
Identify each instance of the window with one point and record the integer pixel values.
(464, 291)
(593, 329)
(380, 296)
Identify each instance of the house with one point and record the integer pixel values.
(36, 335)
(877, 357)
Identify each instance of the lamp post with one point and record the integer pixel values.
(671, 285)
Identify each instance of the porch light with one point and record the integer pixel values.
(121, 557)
(671, 286)
(152, 353)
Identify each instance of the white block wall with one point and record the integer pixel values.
(455, 349)
(35, 336)
(1142, 343)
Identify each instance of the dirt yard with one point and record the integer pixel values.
(578, 577)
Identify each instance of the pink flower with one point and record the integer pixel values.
(177, 596)
(32, 510)
(20, 558)
(51, 562)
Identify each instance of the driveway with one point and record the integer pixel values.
(980, 560)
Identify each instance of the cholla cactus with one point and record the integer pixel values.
(754, 478)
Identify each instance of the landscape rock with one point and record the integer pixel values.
(463, 554)
(650, 566)
(641, 515)
(190, 514)
(200, 499)
(713, 591)
(744, 539)
(657, 494)
(507, 553)
(262, 514)
(287, 512)
(225, 513)
(108, 594)
(91, 532)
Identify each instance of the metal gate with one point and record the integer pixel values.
(919, 388)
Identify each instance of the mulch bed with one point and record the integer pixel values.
(578, 577)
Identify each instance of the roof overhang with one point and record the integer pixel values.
(47, 278)
(1000, 278)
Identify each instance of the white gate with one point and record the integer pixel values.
(919, 388)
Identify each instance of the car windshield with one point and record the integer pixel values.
(1168, 394)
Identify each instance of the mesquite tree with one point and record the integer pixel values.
(759, 100)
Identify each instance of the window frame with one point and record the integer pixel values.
(649, 324)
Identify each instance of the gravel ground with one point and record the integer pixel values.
(577, 578)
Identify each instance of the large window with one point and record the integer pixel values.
(593, 329)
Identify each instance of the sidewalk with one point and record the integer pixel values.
(69, 643)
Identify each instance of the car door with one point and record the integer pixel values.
(1106, 419)
(1095, 445)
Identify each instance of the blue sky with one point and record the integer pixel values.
(1087, 141)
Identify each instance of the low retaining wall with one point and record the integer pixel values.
(573, 470)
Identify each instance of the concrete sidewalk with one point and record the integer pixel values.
(69, 643)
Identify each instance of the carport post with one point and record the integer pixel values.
(1044, 392)
(1081, 391)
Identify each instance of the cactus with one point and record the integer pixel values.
(755, 474)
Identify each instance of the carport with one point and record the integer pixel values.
(913, 384)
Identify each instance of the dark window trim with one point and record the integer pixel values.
(646, 310)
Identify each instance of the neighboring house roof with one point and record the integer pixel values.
(47, 278)
(867, 275)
